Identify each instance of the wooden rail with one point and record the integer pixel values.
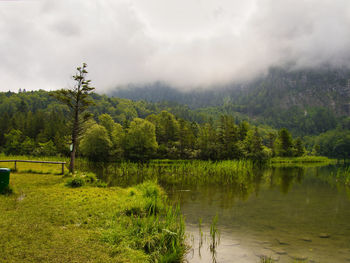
(28, 161)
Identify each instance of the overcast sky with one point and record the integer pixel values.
(186, 43)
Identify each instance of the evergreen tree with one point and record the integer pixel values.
(78, 100)
(299, 149)
(284, 143)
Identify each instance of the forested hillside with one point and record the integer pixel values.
(35, 123)
(304, 101)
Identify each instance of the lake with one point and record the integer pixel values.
(288, 214)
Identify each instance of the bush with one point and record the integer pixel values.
(75, 182)
(81, 179)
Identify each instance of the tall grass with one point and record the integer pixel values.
(343, 175)
(176, 172)
(303, 159)
(155, 228)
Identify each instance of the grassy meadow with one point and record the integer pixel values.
(44, 220)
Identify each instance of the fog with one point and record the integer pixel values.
(187, 44)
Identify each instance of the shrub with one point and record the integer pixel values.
(75, 182)
(81, 179)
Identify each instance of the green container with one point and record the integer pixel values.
(4, 178)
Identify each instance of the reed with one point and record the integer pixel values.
(214, 233)
(343, 175)
(176, 172)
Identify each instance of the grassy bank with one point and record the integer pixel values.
(304, 160)
(46, 221)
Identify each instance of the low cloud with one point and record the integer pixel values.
(183, 43)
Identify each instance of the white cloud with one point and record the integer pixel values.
(185, 43)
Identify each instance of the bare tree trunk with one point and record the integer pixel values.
(72, 161)
(74, 137)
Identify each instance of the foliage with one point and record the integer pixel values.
(35, 124)
(81, 179)
(96, 144)
(140, 140)
(284, 144)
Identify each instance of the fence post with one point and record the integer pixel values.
(62, 168)
(15, 165)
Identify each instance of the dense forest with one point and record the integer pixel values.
(35, 123)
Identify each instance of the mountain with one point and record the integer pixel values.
(308, 101)
(323, 87)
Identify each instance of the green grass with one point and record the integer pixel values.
(38, 168)
(46, 221)
(180, 172)
(303, 159)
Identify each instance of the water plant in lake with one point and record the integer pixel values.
(176, 172)
(200, 233)
(265, 259)
(214, 237)
(214, 233)
(343, 175)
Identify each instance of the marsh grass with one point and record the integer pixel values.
(303, 159)
(150, 225)
(342, 175)
(265, 259)
(176, 172)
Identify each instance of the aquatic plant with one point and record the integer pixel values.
(214, 233)
(177, 172)
(343, 175)
(266, 259)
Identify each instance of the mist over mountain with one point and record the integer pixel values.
(280, 88)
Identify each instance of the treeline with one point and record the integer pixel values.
(34, 123)
(165, 136)
(158, 135)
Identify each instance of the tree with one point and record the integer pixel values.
(284, 143)
(78, 100)
(115, 133)
(299, 149)
(228, 137)
(13, 141)
(140, 140)
(254, 146)
(96, 145)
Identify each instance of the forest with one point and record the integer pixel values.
(35, 123)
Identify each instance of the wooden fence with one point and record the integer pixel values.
(28, 161)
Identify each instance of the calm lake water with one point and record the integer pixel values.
(287, 214)
(291, 214)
